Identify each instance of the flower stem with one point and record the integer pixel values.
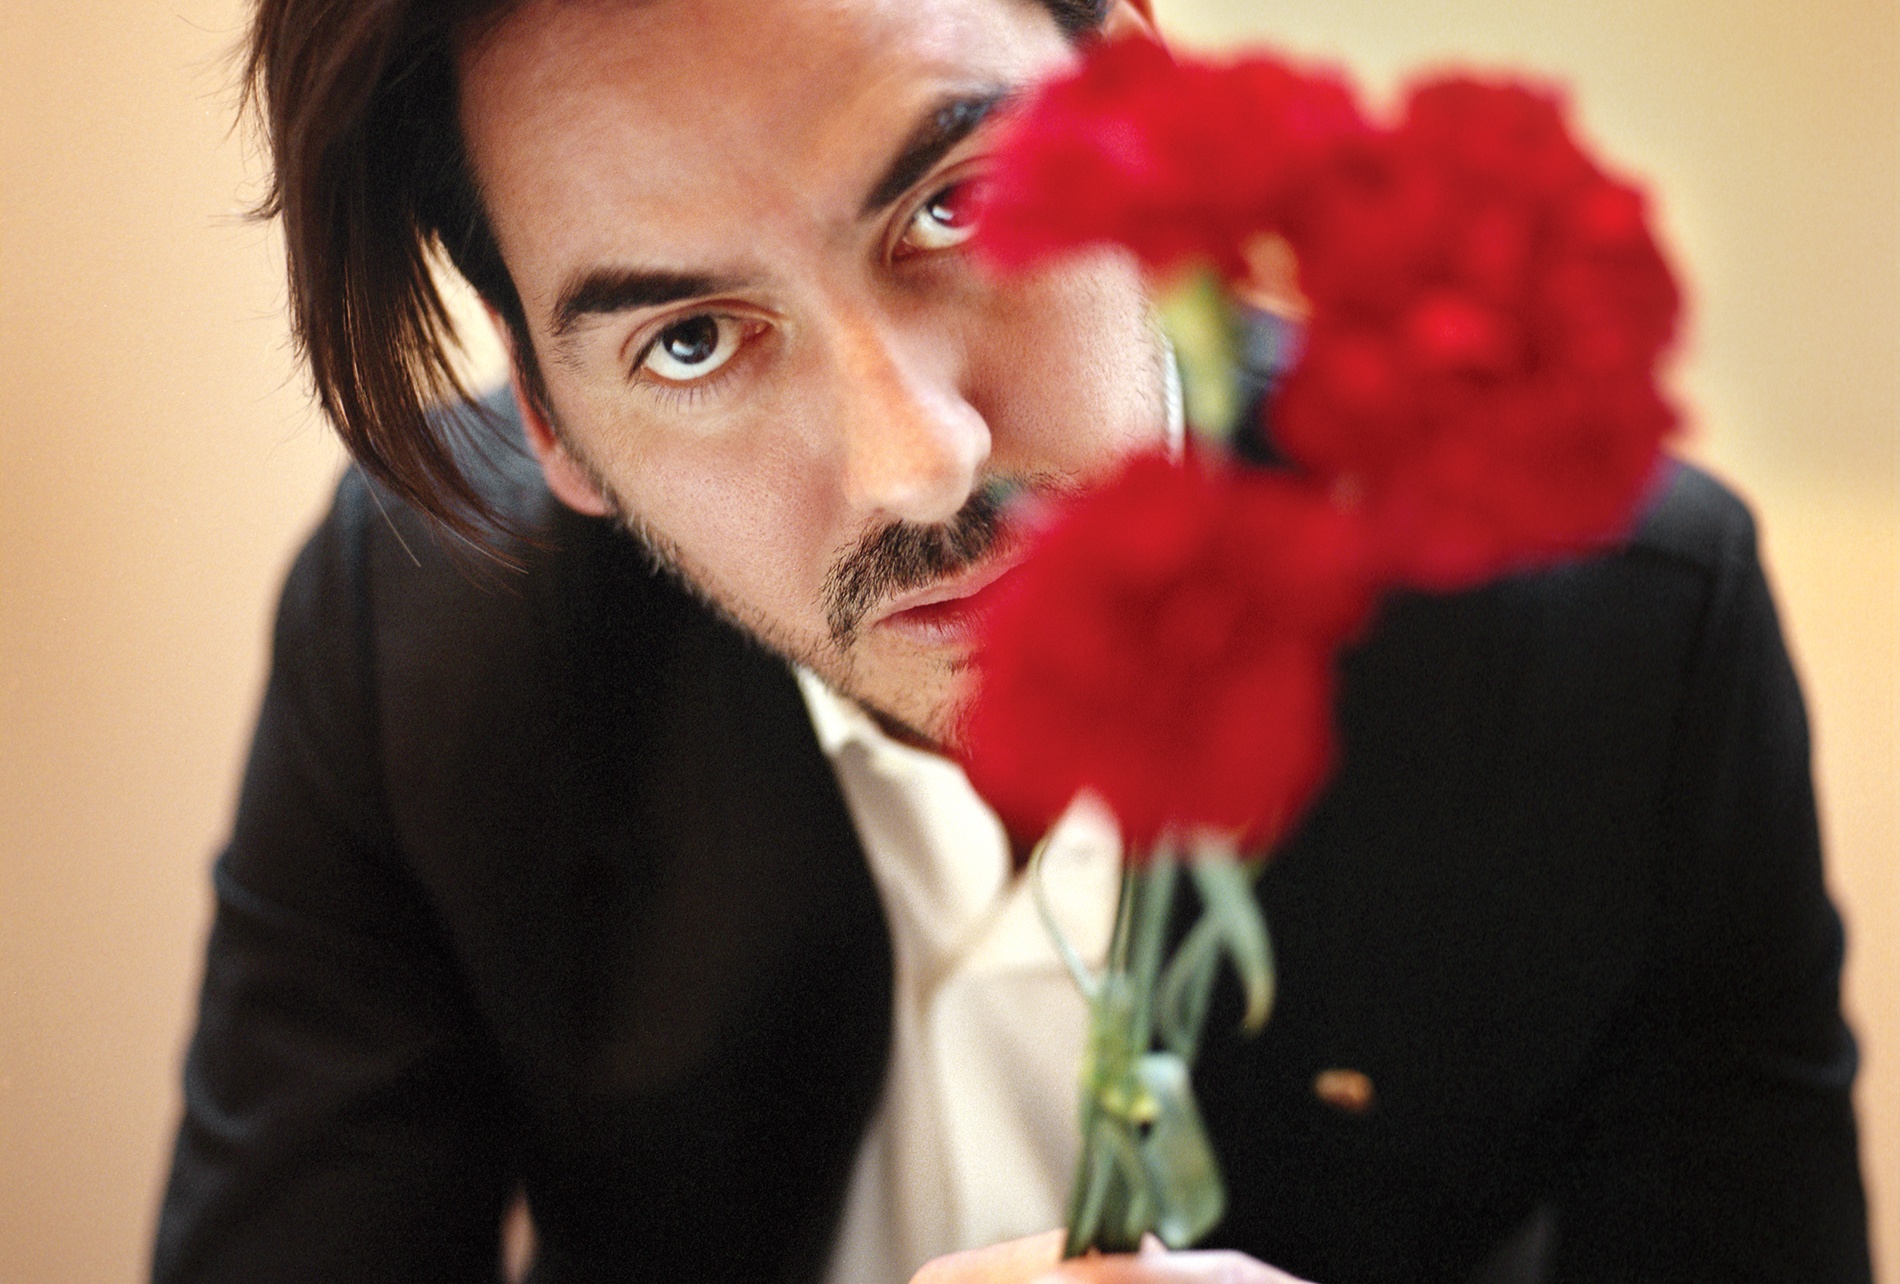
(1146, 1162)
(1111, 1206)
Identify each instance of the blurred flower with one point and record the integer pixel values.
(1178, 161)
(1488, 310)
(1476, 392)
(1170, 645)
(1486, 307)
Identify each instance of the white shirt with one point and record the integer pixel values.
(975, 1137)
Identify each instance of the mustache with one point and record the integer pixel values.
(902, 556)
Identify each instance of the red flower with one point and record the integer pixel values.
(1477, 393)
(1488, 310)
(1170, 644)
(1178, 161)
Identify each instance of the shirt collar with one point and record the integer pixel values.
(840, 722)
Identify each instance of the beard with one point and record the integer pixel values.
(900, 557)
(890, 560)
(887, 561)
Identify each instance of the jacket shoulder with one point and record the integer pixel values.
(488, 442)
(1696, 519)
(483, 673)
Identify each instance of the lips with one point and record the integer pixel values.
(948, 611)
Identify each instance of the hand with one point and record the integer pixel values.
(1035, 1261)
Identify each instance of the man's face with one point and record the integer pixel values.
(732, 231)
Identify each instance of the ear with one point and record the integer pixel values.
(567, 480)
(1131, 17)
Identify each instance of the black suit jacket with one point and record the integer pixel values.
(541, 880)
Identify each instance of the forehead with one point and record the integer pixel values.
(585, 116)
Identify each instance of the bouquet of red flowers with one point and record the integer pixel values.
(1484, 311)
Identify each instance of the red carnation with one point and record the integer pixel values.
(1476, 393)
(1487, 307)
(1488, 310)
(1179, 161)
(1170, 644)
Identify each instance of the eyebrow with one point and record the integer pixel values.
(950, 122)
(604, 291)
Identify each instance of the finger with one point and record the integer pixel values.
(1007, 1263)
(1218, 1267)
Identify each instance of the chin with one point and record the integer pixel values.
(916, 698)
(914, 689)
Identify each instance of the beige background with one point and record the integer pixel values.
(159, 462)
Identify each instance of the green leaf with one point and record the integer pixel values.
(1187, 986)
(1226, 887)
(1198, 317)
(1184, 1180)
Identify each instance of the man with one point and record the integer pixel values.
(566, 884)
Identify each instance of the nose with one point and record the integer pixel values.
(912, 446)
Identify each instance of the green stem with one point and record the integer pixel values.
(1154, 888)
(1085, 980)
(1147, 1163)
(1110, 1205)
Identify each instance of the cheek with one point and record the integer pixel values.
(749, 516)
(1071, 368)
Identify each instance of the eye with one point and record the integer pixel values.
(692, 349)
(943, 222)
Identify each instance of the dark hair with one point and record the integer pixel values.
(357, 99)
